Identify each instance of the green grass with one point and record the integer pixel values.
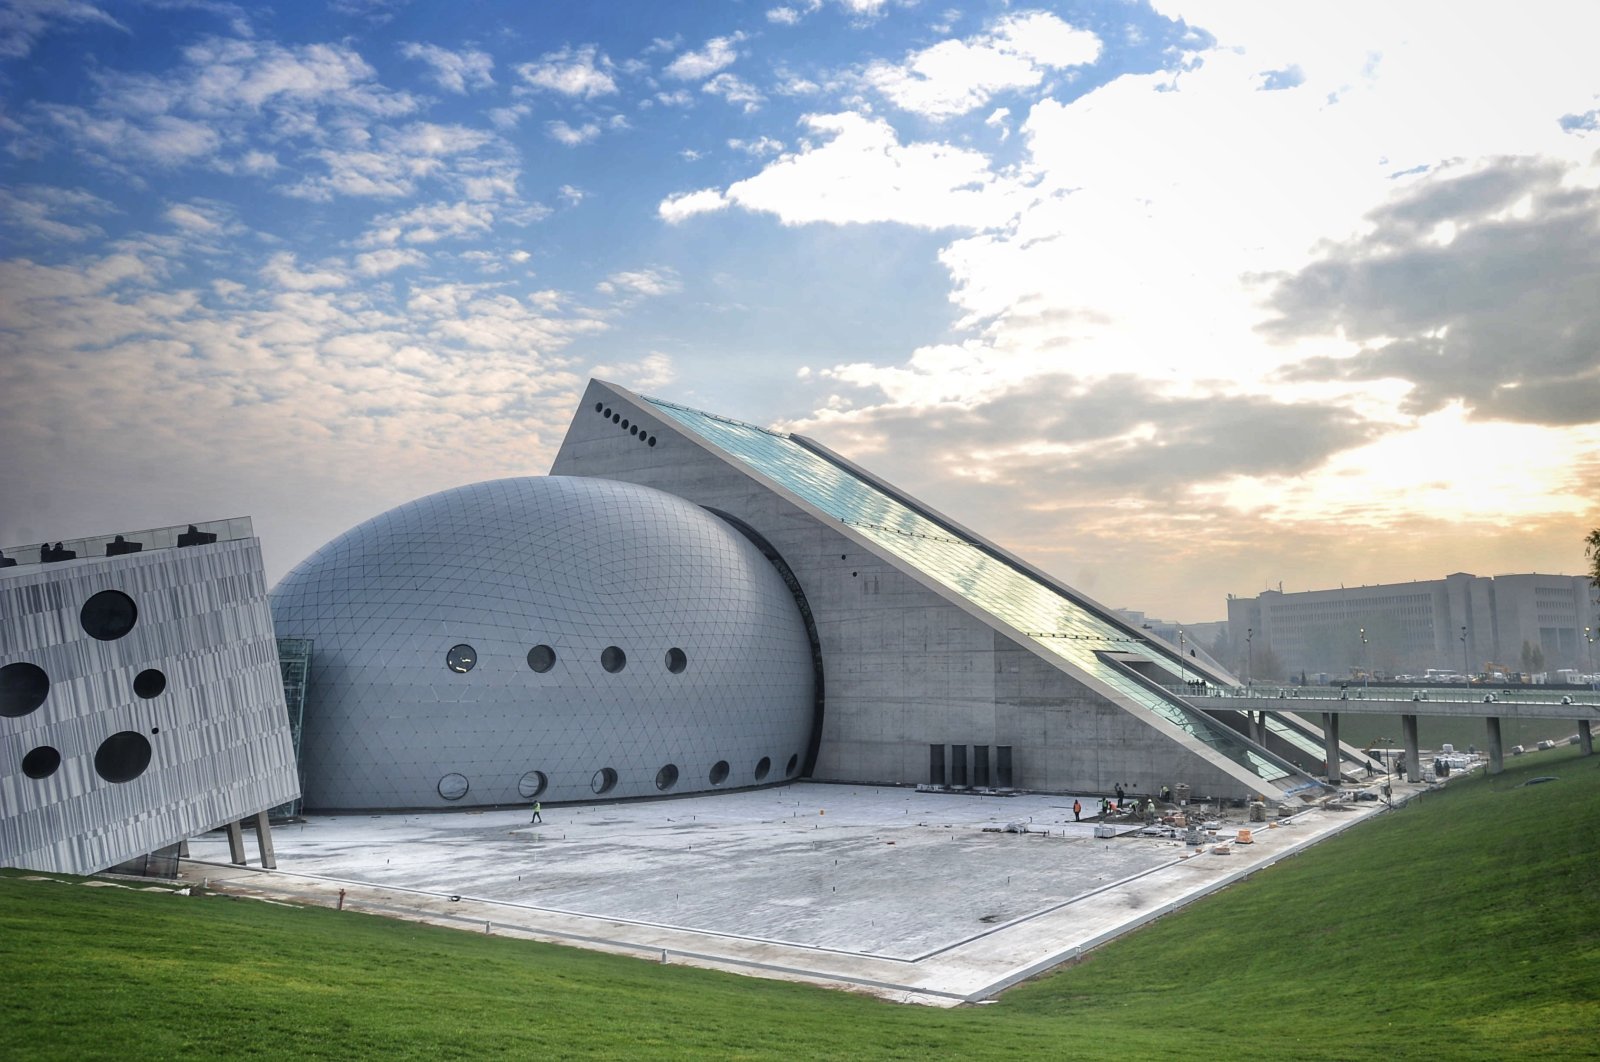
(1465, 926)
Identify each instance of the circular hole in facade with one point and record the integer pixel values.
(541, 658)
(23, 687)
(453, 786)
(606, 412)
(532, 784)
(677, 660)
(624, 422)
(461, 658)
(633, 430)
(616, 418)
(667, 777)
(763, 768)
(792, 766)
(41, 762)
(149, 683)
(613, 659)
(604, 780)
(719, 772)
(109, 615)
(122, 757)
(652, 440)
(598, 406)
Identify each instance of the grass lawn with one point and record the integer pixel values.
(1464, 926)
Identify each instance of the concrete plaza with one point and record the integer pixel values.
(913, 896)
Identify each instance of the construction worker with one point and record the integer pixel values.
(1077, 810)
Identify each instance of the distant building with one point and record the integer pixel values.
(1459, 623)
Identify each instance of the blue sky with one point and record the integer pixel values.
(1177, 299)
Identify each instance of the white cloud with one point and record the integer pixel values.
(54, 213)
(580, 72)
(763, 145)
(507, 117)
(377, 263)
(676, 208)
(23, 22)
(643, 282)
(281, 272)
(719, 52)
(571, 194)
(735, 91)
(675, 98)
(453, 71)
(430, 223)
(957, 76)
(571, 136)
(862, 174)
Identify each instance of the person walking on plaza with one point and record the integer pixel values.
(1077, 810)
(537, 807)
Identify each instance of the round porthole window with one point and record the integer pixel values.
(41, 762)
(532, 784)
(763, 768)
(122, 757)
(677, 660)
(794, 764)
(453, 786)
(667, 777)
(613, 659)
(719, 772)
(604, 780)
(108, 615)
(598, 406)
(23, 687)
(541, 658)
(461, 658)
(149, 683)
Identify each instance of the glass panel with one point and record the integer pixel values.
(1056, 622)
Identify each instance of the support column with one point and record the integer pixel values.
(1497, 758)
(1408, 727)
(269, 858)
(1585, 737)
(1330, 739)
(235, 843)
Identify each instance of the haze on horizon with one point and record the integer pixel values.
(1175, 299)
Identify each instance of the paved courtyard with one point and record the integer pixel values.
(913, 896)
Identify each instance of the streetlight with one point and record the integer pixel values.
(1366, 676)
(1588, 636)
(1250, 656)
(1183, 671)
(1466, 669)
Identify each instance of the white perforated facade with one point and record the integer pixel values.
(545, 638)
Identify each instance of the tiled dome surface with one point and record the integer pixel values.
(583, 567)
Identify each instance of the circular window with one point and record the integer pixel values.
(763, 768)
(616, 418)
(453, 786)
(625, 422)
(652, 440)
(541, 658)
(122, 757)
(149, 683)
(109, 615)
(794, 762)
(667, 777)
(606, 412)
(532, 784)
(41, 762)
(598, 406)
(461, 659)
(719, 772)
(677, 660)
(634, 430)
(604, 780)
(23, 687)
(613, 659)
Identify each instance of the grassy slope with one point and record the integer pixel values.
(1464, 926)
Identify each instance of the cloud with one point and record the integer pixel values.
(863, 174)
(571, 136)
(643, 282)
(430, 223)
(735, 91)
(395, 162)
(281, 272)
(1476, 285)
(46, 210)
(453, 71)
(719, 52)
(957, 76)
(580, 72)
(764, 145)
(23, 22)
(378, 263)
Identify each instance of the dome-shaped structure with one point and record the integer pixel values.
(551, 638)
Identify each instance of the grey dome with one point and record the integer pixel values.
(552, 637)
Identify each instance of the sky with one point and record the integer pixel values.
(1176, 299)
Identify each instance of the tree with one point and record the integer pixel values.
(1532, 658)
(1591, 553)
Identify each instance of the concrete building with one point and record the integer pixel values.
(1461, 623)
(944, 658)
(140, 697)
